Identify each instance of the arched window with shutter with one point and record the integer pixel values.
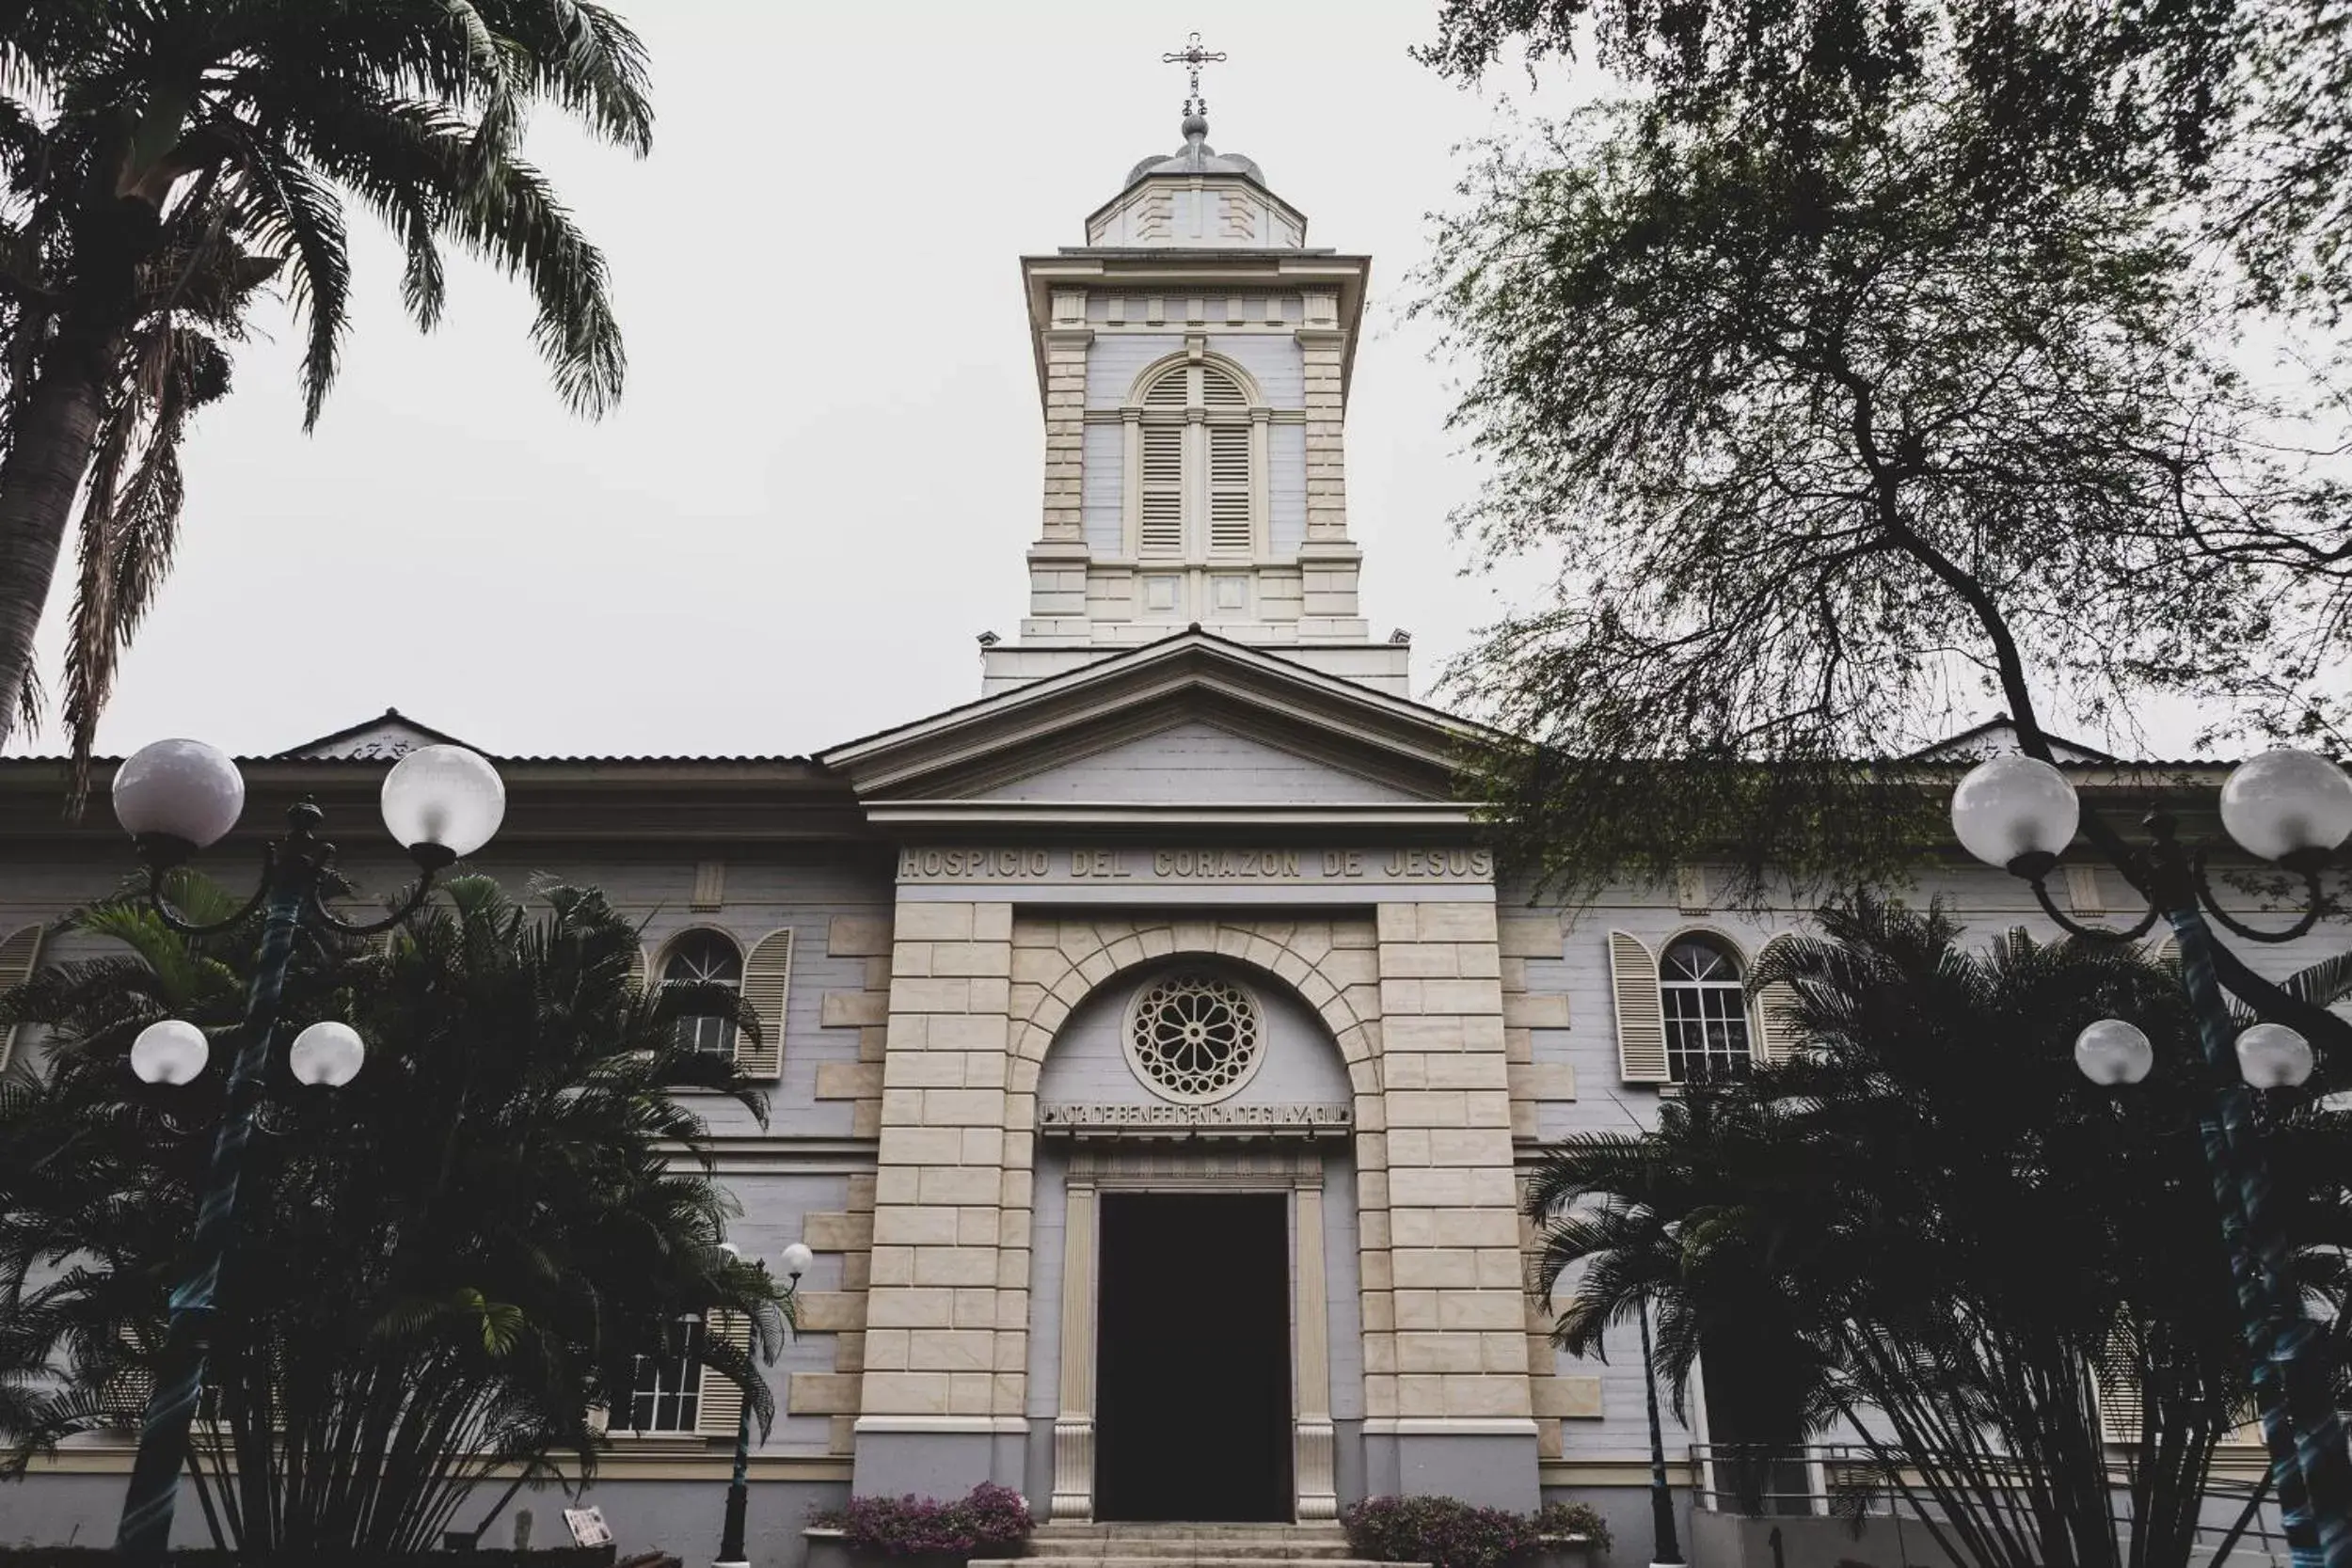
(1704, 995)
(1198, 456)
(1640, 1025)
(705, 957)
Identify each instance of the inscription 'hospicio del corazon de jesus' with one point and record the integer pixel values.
(932, 864)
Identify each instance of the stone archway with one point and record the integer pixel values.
(1066, 963)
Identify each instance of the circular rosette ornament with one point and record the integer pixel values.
(1195, 1039)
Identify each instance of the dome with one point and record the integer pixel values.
(1197, 157)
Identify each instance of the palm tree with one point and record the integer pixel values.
(441, 1268)
(1932, 1231)
(159, 159)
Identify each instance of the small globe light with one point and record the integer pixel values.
(445, 799)
(327, 1053)
(797, 1258)
(2273, 1056)
(734, 1253)
(2012, 808)
(179, 789)
(2286, 803)
(169, 1051)
(2112, 1052)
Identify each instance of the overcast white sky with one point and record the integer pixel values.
(819, 485)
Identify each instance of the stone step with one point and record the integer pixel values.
(1188, 1542)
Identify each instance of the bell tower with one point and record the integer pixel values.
(1193, 359)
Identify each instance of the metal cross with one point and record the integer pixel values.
(1193, 56)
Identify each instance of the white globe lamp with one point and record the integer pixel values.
(2294, 807)
(2017, 813)
(2112, 1052)
(326, 1054)
(169, 1051)
(796, 1259)
(176, 797)
(443, 802)
(2273, 1056)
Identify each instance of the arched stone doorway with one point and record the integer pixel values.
(1196, 1196)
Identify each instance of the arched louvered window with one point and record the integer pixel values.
(1198, 453)
(1704, 996)
(706, 958)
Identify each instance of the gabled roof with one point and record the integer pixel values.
(1998, 737)
(391, 736)
(953, 765)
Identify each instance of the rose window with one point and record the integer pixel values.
(1194, 1037)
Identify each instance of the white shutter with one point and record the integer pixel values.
(766, 977)
(20, 955)
(1774, 1037)
(1229, 532)
(2168, 953)
(718, 1412)
(637, 967)
(1640, 1014)
(2118, 1390)
(1220, 390)
(1160, 530)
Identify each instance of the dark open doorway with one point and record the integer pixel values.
(1193, 1388)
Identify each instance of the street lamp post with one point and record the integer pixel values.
(2294, 809)
(732, 1554)
(176, 797)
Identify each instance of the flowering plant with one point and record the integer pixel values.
(989, 1519)
(1449, 1533)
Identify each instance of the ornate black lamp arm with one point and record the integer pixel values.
(2170, 879)
(159, 868)
(2091, 933)
(321, 914)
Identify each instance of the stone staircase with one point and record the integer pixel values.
(1185, 1546)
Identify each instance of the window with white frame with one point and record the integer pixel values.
(665, 1393)
(1196, 462)
(705, 957)
(1704, 998)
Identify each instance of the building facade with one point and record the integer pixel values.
(1153, 1045)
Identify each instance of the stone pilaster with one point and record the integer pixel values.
(1463, 1419)
(945, 1341)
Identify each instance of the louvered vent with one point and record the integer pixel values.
(1169, 390)
(767, 978)
(1641, 1012)
(1220, 390)
(1229, 490)
(1162, 522)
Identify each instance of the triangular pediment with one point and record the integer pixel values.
(1196, 761)
(1191, 724)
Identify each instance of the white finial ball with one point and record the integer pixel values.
(328, 1053)
(169, 1051)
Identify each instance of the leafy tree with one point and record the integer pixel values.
(441, 1269)
(1824, 444)
(1930, 1228)
(158, 160)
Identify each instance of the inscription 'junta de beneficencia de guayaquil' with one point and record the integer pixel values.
(1195, 865)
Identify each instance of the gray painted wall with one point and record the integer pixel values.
(1286, 488)
(1193, 762)
(1114, 359)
